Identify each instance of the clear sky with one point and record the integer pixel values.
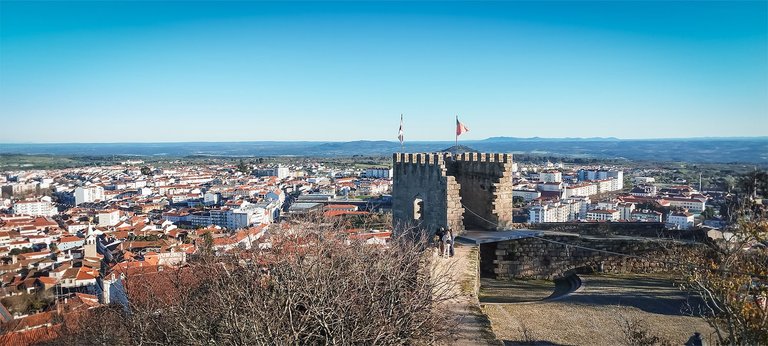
(232, 71)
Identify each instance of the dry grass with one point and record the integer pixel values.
(496, 291)
(569, 324)
(592, 316)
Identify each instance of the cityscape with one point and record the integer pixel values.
(383, 173)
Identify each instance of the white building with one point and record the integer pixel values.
(602, 174)
(564, 211)
(109, 217)
(276, 195)
(680, 220)
(551, 176)
(691, 204)
(583, 189)
(245, 215)
(553, 186)
(211, 198)
(378, 172)
(170, 258)
(70, 242)
(605, 185)
(35, 208)
(583, 202)
(541, 214)
(605, 205)
(279, 172)
(626, 210)
(271, 211)
(16, 189)
(527, 195)
(375, 187)
(646, 216)
(603, 215)
(5, 239)
(88, 194)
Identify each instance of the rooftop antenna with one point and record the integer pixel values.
(754, 185)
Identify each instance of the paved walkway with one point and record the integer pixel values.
(474, 327)
(482, 237)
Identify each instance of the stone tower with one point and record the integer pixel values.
(458, 191)
(90, 246)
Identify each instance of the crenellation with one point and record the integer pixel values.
(448, 184)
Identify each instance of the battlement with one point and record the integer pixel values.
(483, 157)
(419, 158)
(441, 157)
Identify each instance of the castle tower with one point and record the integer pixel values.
(455, 190)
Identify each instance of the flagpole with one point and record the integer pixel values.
(400, 134)
(457, 132)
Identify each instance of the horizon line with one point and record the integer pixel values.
(396, 142)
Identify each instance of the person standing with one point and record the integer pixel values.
(447, 243)
(440, 233)
(452, 242)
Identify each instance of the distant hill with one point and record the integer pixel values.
(507, 139)
(752, 150)
(459, 149)
(356, 144)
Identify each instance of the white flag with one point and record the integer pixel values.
(400, 133)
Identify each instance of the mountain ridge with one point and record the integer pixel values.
(746, 150)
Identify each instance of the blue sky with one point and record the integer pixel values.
(232, 71)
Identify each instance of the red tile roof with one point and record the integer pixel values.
(70, 239)
(31, 336)
(331, 213)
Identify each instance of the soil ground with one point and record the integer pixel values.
(473, 327)
(594, 314)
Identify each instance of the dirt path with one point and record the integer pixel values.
(473, 328)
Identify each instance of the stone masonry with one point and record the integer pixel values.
(431, 190)
(532, 258)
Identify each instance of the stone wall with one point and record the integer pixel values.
(444, 181)
(486, 188)
(634, 229)
(532, 258)
(423, 177)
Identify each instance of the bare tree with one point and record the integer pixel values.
(314, 286)
(731, 277)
